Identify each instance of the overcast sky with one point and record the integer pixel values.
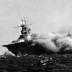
(45, 16)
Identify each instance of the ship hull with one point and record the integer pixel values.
(27, 47)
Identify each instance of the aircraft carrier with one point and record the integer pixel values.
(24, 43)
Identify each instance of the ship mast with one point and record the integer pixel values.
(25, 30)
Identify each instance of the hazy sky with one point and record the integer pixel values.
(45, 16)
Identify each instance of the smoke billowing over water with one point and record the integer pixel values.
(55, 41)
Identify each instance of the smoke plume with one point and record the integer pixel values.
(55, 41)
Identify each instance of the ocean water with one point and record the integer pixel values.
(35, 63)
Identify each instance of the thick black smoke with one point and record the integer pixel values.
(54, 42)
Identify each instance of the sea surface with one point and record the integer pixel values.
(37, 63)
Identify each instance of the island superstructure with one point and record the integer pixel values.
(25, 32)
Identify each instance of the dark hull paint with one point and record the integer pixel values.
(27, 47)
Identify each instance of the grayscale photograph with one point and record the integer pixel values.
(35, 35)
